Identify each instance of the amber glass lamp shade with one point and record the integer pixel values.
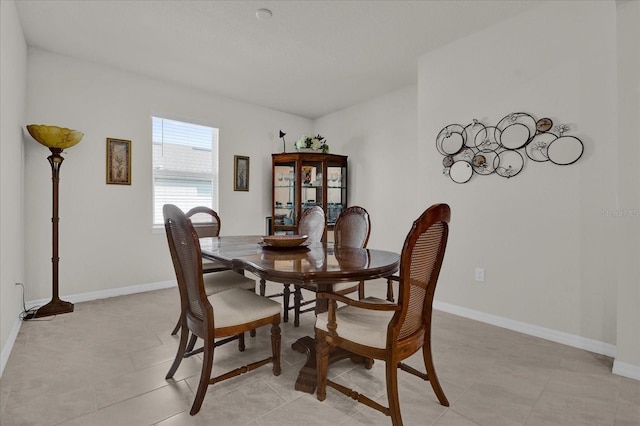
(54, 136)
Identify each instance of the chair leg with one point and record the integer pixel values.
(322, 365)
(176, 328)
(241, 346)
(205, 376)
(390, 290)
(182, 348)
(297, 304)
(361, 290)
(391, 368)
(263, 286)
(275, 348)
(285, 299)
(431, 373)
(192, 342)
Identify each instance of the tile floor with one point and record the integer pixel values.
(105, 364)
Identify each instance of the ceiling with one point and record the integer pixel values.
(310, 58)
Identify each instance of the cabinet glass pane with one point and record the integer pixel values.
(336, 192)
(311, 177)
(284, 194)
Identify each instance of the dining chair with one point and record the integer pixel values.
(218, 277)
(221, 315)
(207, 223)
(352, 229)
(377, 329)
(313, 224)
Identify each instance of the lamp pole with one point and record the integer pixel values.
(55, 306)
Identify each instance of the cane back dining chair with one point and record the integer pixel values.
(313, 224)
(377, 329)
(352, 229)
(220, 315)
(218, 277)
(207, 223)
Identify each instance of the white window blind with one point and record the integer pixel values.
(185, 166)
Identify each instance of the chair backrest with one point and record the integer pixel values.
(352, 228)
(420, 264)
(313, 224)
(205, 221)
(184, 246)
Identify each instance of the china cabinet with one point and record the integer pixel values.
(304, 179)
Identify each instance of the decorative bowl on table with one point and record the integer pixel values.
(283, 241)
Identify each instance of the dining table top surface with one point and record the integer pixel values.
(311, 263)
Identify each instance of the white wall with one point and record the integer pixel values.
(106, 238)
(380, 139)
(551, 256)
(13, 63)
(628, 226)
(542, 236)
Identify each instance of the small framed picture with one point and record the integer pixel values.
(118, 161)
(240, 173)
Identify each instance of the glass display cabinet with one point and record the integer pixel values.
(304, 179)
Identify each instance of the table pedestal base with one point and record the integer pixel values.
(308, 377)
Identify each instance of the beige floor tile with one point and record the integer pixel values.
(305, 410)
(145, 409)
(105, 365)
(451, 418)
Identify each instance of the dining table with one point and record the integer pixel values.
(318, 265)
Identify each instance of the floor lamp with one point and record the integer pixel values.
(56, 139)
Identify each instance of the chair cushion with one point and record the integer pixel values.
(216, 282)
(343, 286)
(362, 326)
(237, 306)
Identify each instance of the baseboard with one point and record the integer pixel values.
(8, 346)
(105, 294)
(627, 370)
(579, 342)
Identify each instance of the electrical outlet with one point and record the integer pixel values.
(480, 275)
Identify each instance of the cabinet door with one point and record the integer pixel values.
(311, 184)
(284, 196)
(336, 190)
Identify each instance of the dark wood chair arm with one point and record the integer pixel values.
(358, 303)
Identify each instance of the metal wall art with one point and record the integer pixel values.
(502, 149)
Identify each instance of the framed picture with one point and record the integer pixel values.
(240, 173)
(118, 161)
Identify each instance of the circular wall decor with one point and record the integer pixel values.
(514, 136)
(498, 149)
(544, 124)
(509, 163)
(461, 172)
(537, 148)
(483, 162)
(565, 150)
(450, 139)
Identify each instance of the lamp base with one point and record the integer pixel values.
(55, 307)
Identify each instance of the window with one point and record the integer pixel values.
(185, 166)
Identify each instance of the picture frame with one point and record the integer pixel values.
(240, 173)
(118, 161)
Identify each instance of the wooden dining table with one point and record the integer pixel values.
(318, 265)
